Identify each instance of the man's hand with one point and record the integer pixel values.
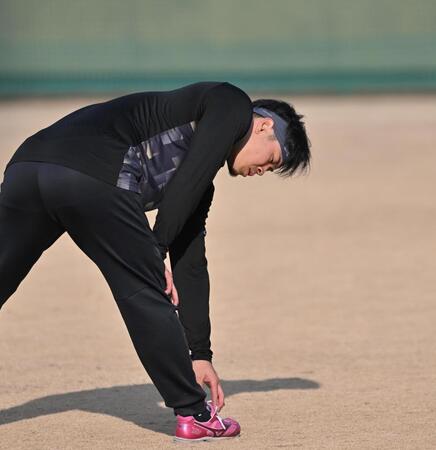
(205, 374)
(171, 288)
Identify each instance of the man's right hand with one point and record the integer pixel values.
(205, 374)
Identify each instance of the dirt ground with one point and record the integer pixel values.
(322, 301)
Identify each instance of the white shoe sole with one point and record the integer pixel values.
(206, 438)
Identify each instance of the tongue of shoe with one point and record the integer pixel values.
(215, 420)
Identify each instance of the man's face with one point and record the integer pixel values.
(259, 154)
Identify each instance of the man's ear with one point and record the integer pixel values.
(267, 123)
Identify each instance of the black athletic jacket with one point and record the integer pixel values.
(167, 146)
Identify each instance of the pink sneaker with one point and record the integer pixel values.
(188, 429)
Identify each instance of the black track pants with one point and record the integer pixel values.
(40, 201)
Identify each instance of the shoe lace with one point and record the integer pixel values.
(216, 414)
(221, 421)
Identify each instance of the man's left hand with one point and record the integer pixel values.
(171, 287)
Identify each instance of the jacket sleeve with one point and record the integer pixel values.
(191, 278)
(226, 117)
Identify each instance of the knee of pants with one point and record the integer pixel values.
(147, 307)
(125, 280)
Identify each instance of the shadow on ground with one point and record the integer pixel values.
(138, 403)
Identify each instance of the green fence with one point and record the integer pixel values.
(88, 46)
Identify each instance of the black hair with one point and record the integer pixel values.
(296, 138)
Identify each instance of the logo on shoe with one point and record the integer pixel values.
(217, 433)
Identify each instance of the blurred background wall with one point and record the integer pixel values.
(88, 46)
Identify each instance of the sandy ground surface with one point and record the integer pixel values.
(322, 301)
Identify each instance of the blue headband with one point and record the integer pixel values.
(279, 128)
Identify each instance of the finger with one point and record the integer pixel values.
(168, 278)
(172, 295)
(201, 382)
(175, 295)
(199, 379)
(214, 392)
(220, 397)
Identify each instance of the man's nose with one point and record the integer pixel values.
(261, 171)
